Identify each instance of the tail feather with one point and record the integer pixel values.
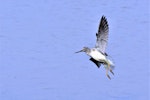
(112, 66)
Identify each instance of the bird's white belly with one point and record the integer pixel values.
(97, 55)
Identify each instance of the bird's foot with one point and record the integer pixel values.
(112, 72)
(107, 70)
(108, 76)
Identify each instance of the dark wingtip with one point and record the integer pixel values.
(103, 17)
(103, 26)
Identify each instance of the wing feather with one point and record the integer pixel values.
(102, 35)
(98, 64)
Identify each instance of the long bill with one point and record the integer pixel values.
(79, 51)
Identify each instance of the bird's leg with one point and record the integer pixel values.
(111, 71)
(107, 74)
(110, 68)
(107, 70)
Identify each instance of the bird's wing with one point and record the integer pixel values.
(95, 62)
(102, 35)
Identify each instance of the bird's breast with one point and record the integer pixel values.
(97, 55)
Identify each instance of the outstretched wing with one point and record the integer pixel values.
(95, 62)
(102, 35)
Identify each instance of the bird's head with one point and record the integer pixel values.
(85, 49)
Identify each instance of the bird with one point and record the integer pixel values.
(98, 54)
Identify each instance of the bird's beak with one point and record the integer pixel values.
(79, 51)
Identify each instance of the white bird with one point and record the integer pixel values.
(98, 54)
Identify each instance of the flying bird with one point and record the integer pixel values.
(98, 54)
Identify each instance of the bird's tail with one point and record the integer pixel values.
(112, 65)
(109, 65)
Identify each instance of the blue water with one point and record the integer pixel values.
(38, 39)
